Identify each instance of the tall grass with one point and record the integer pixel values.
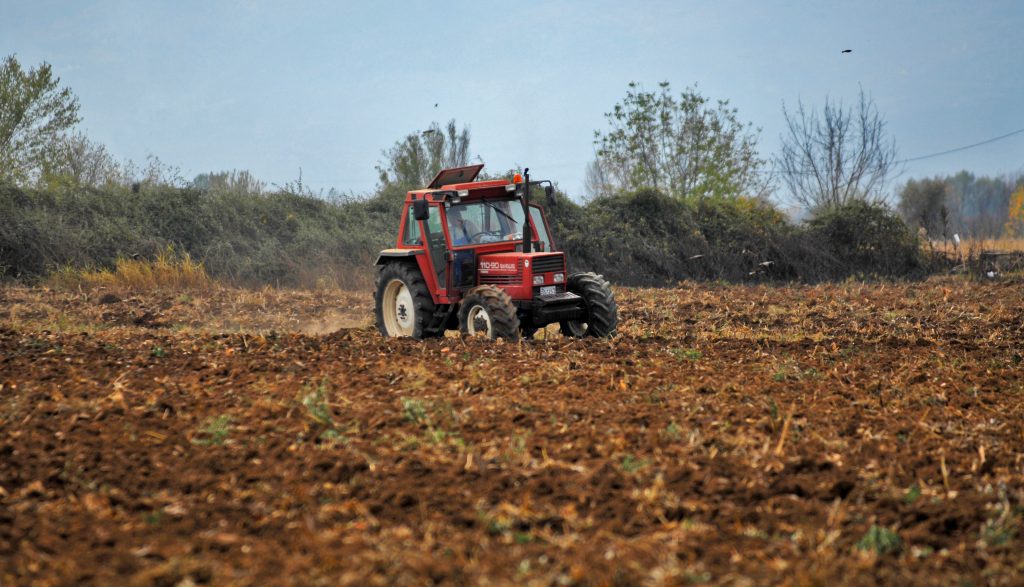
(169, 270)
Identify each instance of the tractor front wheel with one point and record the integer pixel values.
(403, 304)
(602, 313)
(487, 311)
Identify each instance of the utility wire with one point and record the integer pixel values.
(351, 182)
(964, 148)
(922, 157)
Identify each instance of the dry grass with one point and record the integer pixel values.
(1002, 244)
(169, 270)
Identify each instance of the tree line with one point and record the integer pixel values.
(964, 204)
(677, 189)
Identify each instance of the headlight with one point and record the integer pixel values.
(559, 277)
(538, 280)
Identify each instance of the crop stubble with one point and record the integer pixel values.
(730, 434)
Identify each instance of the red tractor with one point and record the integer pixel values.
(479, 256)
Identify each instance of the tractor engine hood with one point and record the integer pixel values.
(523, 275)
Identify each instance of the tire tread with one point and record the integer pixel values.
(602, 311)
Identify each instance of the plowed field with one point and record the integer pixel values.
(841, 434)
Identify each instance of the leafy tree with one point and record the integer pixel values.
(76, 160)
(843, 155)
(415, 160)
(923, 204)
(35, 113)
(685, 146)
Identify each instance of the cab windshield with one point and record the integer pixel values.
(485, 221)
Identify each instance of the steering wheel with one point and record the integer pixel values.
(484, 236)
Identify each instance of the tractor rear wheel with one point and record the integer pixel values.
(488, 311)
(602, 313)
(403, 304)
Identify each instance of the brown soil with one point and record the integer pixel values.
(851, 434)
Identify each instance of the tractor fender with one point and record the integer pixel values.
(388, 254)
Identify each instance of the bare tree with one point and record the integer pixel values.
(596, 182)
(842, 156)
(236, 181)
(153, 172)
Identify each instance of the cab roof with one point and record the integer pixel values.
(460, 178)
(455, 175)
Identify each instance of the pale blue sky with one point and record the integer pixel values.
(211, 85)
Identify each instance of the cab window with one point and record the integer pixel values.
(484, 222)
(412, 230)
(434, 221)
(542, 229)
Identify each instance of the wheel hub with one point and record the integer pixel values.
(399, 309)
(479, 322)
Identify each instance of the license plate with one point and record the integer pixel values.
(547, 290)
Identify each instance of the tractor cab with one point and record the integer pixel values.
(465, 239)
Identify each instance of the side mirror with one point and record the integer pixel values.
(420, 209)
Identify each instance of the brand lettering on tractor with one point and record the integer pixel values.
(486, 266)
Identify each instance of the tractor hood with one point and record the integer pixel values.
(520, 273)
(518, 263)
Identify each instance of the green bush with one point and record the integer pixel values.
(867, 239)
(747, 238)
(279, 238)
(648, 238)
(284, 238)
(639, 238)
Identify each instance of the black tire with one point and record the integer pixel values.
(487, 310)
(409, 313)
(602, 313)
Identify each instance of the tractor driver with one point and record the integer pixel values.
(462, 230)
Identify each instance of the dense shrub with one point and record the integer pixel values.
(648, 238)
(745, 236)
(642, 238)
(280, 238)
(867, 239)
(634, 238)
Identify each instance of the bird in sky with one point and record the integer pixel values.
(435, 104)
(844, 51)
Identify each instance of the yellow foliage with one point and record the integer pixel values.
(169, 270)
(1015, 220)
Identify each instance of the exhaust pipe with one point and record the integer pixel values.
(527, 231)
